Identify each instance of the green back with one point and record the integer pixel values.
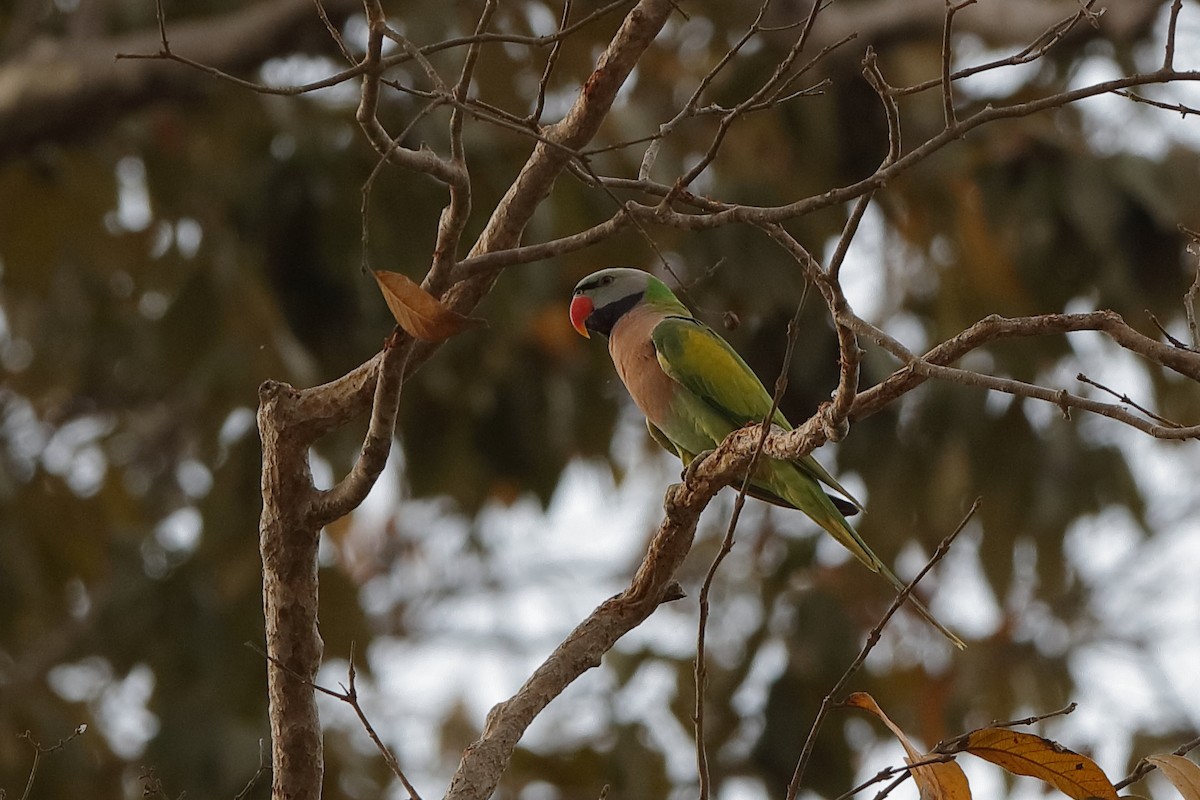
(692, 354)
(702, 362)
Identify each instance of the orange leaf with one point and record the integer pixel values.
(417, 311)
(1072, 774)
(938, 781)
(1181, 772)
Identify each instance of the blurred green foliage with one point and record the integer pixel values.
(155, 271)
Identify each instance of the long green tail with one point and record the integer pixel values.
(920, 608)
(805, 494)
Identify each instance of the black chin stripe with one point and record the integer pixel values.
(602, 319)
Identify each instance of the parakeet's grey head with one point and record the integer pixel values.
(603, 297)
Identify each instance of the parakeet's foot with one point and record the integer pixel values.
(689, 469)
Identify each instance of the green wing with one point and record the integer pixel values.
(693, 355)
(847, 508)
(704, 363)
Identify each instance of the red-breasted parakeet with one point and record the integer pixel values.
(695, 390)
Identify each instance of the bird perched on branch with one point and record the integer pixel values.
(695, 390)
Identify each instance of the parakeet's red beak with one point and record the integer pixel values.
(581, 309)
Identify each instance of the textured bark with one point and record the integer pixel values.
(288, 543)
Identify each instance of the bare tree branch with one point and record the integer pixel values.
(1172, 27)
(1145, 767)
(539, 105)
(1127, 400)
(763, 214)
(1061, 398)
(53, 84)
(510, 38)
(952, 8)
(777, 79)
(1040, 46)
(327, 506)
(423, 160)
(288, 544)
(995, 328)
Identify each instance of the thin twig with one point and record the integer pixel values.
(995, 328)
(161, 18)
(1069, 708)
(777, 78)
(847, 236)
(834, 415)
(1036, 49)
(165, 53)
(453, 220)
(873, 637)
(689, 108)
(902, 770)
(1124, 398)
(1172, 23)
(39, 750)
(464, 80)
(334, 33)
(1144, 767)
(1061, 398)
(491, 263)
(891, 110)
(349, 696)
(701, 670)
(1179, 108)
(535, 116)
(435, 77)
(511, 38)
(962, 742)
(1193, 292)
(368, 186)
(264, 766)
(423, 160)
(952, 8)
(1175, 341)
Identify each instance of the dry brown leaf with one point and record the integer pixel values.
(1072, 774)
(940, 781)
(1180, 771)
(417, 311)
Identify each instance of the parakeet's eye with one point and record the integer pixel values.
(606, 280)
